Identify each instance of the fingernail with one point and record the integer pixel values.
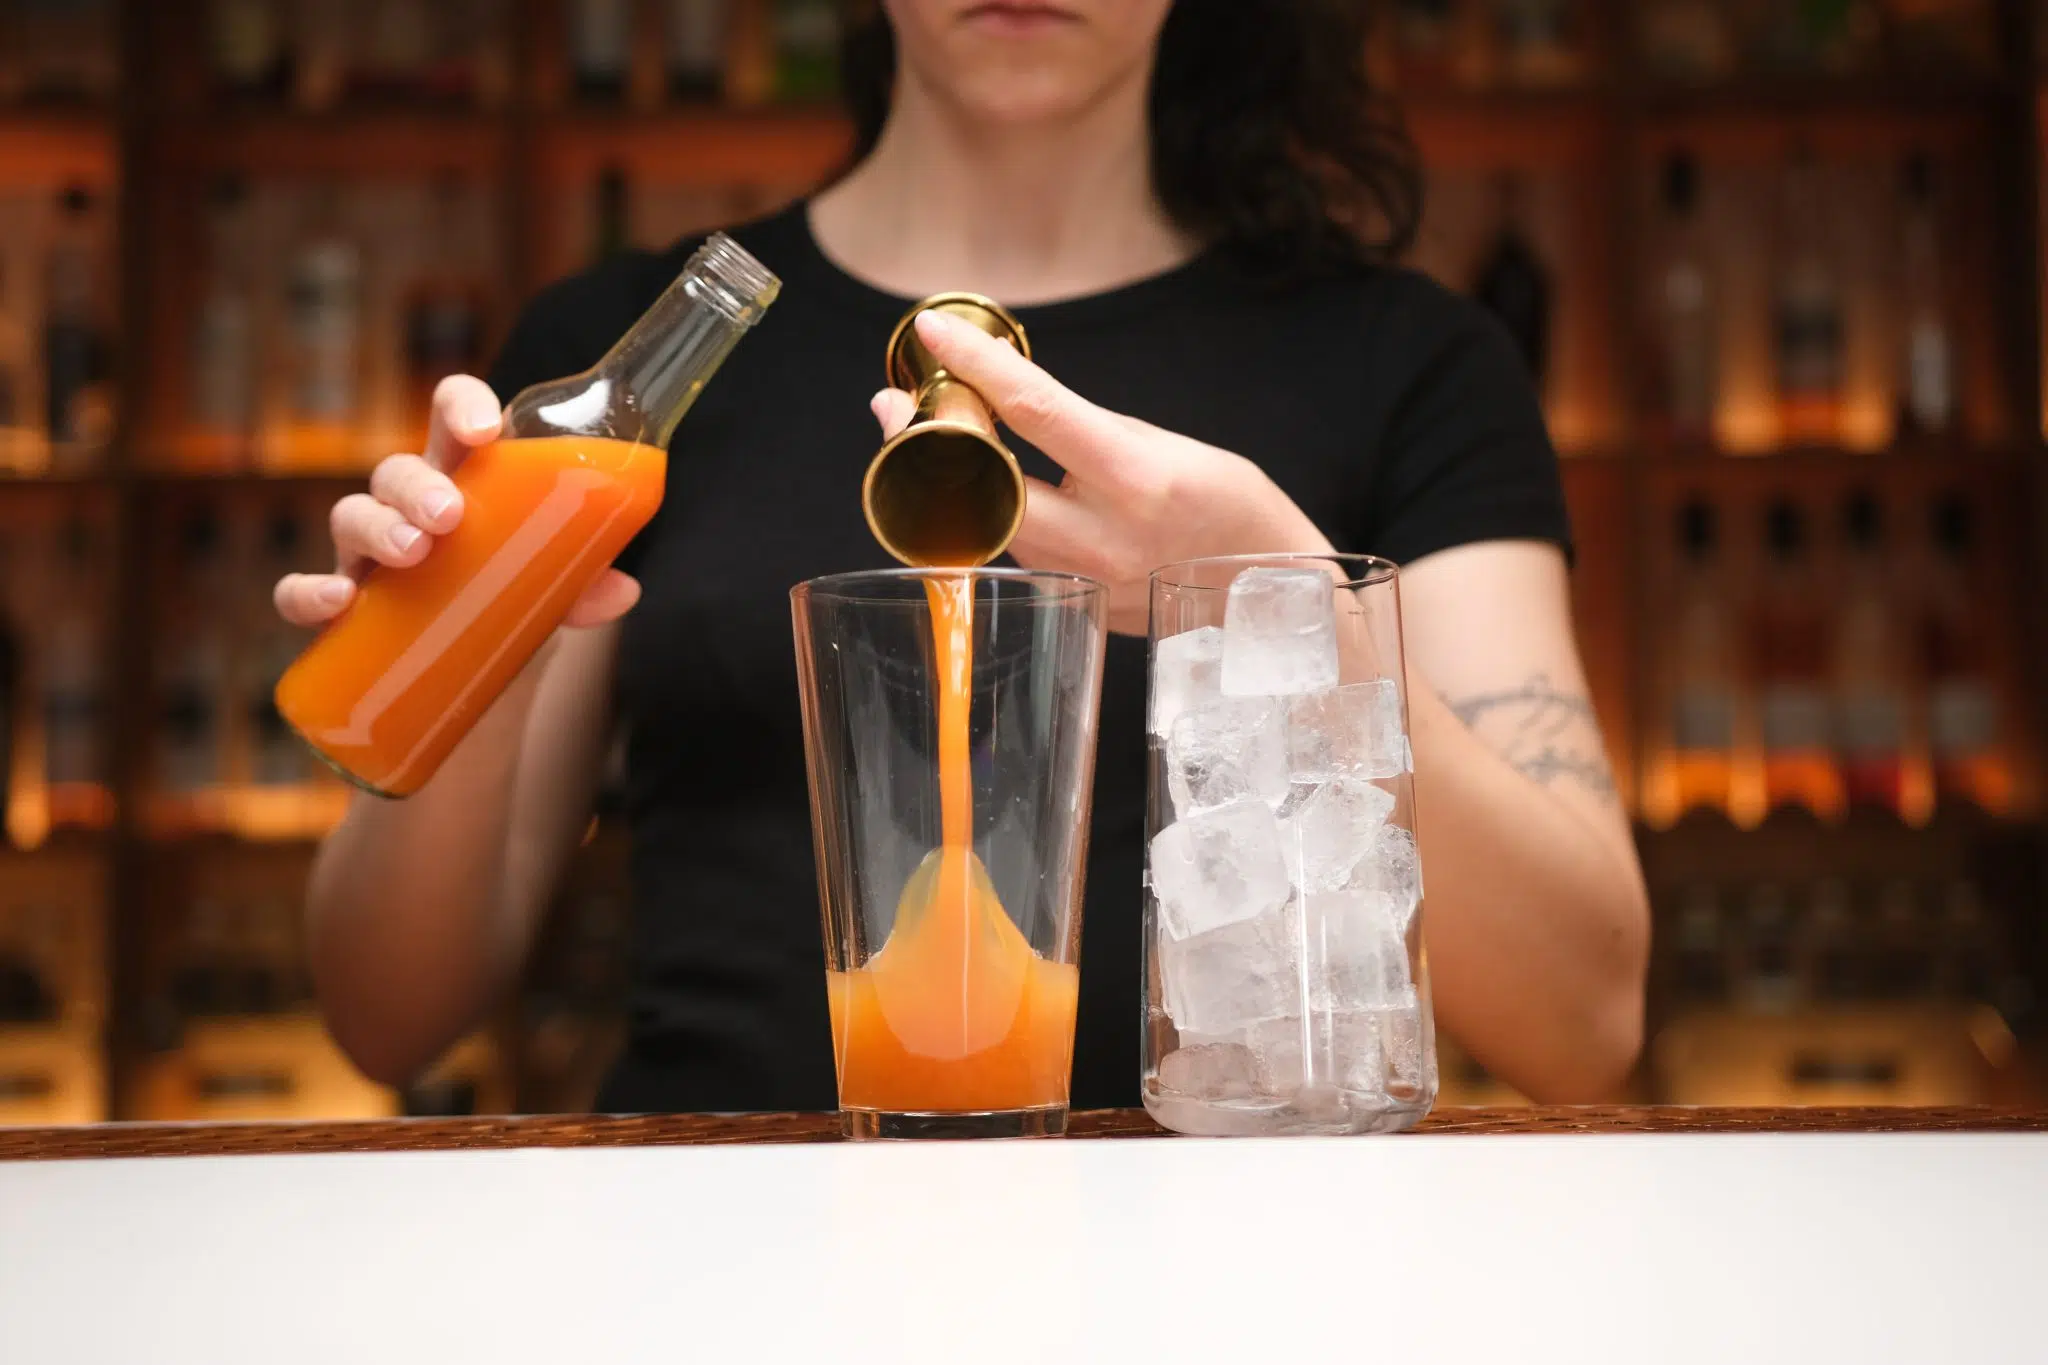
(480, 416)
(334, 593)
(932, 320)
(405, 535)
(436, 505)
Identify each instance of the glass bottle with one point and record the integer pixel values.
(1927, 376)
(191, 729)
(1870, 664)
(1687, 341)
(1707, 674)
(806, 50)
(697, 31)
(72, 670)
(224, 336)
(22, 449)
(600, 48)
(388, 690)
(1513, 284)
(1965, 730)
(1807, 318)
(1792, 656)
(444, 318)
(325, 305)
(1539, 41)
(76, 367)
(249, 54)
(1685, 42)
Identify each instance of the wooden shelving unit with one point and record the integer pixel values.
(1594, 149)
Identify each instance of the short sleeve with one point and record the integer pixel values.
(1465, 455)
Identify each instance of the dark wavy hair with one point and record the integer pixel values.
(1269, 139)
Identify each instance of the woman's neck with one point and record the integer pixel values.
(1026, 214)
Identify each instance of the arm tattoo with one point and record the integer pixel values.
(1545, 734)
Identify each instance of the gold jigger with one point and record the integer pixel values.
(945, 491)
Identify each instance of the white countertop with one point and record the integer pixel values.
(1730, 1248)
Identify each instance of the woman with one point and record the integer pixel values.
(1185, 202)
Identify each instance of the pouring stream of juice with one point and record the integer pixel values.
(955, 1013)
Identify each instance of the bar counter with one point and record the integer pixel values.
(1598, 1234)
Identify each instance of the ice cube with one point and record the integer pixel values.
(1330, 833)
(1351, 731)
(1220, 867)
(1218, 983)
(1410, 1074)
(1319, 1051)
(1210, 1071)
(1394, 872)
(1187, 671)
(1225, 751)
(1354, 955)
(1279, 633)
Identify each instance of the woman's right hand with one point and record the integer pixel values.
(411, 501)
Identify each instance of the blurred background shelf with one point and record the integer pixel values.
(1776, 269)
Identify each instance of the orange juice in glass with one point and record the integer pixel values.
(949, 726)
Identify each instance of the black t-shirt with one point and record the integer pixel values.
(1397, 414)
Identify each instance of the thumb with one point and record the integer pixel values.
(893, 408)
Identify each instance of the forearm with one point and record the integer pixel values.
(409, 931)
(1536, 928)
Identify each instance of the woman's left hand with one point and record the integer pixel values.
(1134, 497)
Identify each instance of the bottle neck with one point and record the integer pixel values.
(661, 364)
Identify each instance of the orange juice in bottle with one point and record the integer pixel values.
(390, 688)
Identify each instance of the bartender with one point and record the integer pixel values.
(1192, 206)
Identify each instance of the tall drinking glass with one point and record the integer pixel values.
(1285, 987)
(949, 729)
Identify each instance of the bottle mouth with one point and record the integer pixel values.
(727, 276)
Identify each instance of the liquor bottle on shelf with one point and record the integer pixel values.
(395, 51)
(601, 48)
(614, 214)
(1540, 41)
(1442, 42)
(1830, 951)
(1966, 957)
(13, 680)
(1964, 728)
(1770, 978)
(1807, 314)
(325, 366)
(1942, 37)
(1871, 681)
(76, 373)
(1513, 283)
(62, 50)
(1706, 673)
(285, 796)
(324, 38)
(1687, 341)
(191, 729)
(1927, 377)
(697, 31)
(224, 337)
(1901, 966)
(471, 60)
(1686, 42)
(23, 449)
(72, 672)
(444, 318)
(806, 50)
(246, 40)
(1829, 37)
(1700, 949)
(1792, 655)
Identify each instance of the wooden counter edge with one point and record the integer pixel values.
(653, 1130)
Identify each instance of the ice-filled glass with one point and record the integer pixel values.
(1285, 987)
(949, 730)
